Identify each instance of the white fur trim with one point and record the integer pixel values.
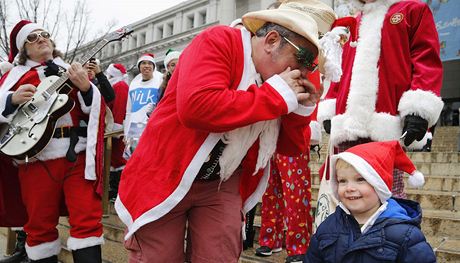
(13, 77)
(178, 194)
(44, 250)
(256, 196)
(171, 55)
(326, 110)
(146, 58)
(113, 71)
(315, 133)
(332, 49)
(305, 110)
(422, 103)
(92, 134)
(285, 91)
(365, 170)
(74, 243)
(416, 179)
(418, 145)
(24, 32)
(360, 119)
(5, 66)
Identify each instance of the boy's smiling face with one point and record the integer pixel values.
(356, 194)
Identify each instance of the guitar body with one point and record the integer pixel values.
(33, 125)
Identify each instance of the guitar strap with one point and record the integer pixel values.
(71, 155)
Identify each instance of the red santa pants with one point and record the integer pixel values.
(45, 185)
(214, 224)
(287, 199)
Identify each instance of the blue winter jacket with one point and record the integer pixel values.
(394, 237)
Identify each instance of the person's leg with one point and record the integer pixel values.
(85, 214)
(161, 240)
(295, 179)
(216, 220)
(272, 223)
(398, 184)
(41, 188)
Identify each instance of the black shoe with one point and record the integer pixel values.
(19, 255)
(295, 259)
(87, 255)
(265, 251)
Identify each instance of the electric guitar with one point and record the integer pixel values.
(33, 125)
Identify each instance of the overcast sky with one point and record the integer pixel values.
(126, 11)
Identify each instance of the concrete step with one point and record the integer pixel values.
(433, 200)
(441, 223)
(113, 250)
(447, 249)
(440, 183)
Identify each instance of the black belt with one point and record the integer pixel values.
(64, 132)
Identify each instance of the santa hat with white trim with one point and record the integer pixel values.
(375, 162)
(116, 70)
(19, 35)
(170, 55)
(146, 57)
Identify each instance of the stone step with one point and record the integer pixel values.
(440, 183)
(441, 223)
(113, 250)
(447, 249)
(439, 200)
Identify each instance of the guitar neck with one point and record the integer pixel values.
(60, 82)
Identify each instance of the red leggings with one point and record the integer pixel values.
(287, 199)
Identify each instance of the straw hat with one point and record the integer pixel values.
(304, 17)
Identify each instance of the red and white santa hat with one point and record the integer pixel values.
(375, 162)
(19, 35)
(116, 70)
(146, 57)
(170, 55)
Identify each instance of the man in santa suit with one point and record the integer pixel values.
(391, 79)
(235, 97)
(67, 170)
(116, 74)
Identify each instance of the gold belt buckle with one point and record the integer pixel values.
(62, 132)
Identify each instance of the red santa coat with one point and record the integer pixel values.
(202, 102)
(33, 73)
(118, 108)
(394, 71)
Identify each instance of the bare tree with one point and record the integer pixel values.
(69, 26)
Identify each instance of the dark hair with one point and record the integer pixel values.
(284, 32)
(23, 54)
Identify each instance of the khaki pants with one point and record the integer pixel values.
(215, 223)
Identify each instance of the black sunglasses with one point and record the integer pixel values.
(34, 36)
(304, 57)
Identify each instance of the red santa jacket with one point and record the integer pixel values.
(202, 102)
(33, 73)
(118, 108)
(394, 71)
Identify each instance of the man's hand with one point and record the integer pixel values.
(415, 128)
(23, 94)
(94, 67)
(79, 77)
(305, 91)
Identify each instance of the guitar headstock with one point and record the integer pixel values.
(119, 34)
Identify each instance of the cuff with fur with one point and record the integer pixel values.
(422, 103)
(326, 110)
(315, 130)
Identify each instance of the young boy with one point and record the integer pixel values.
(368, 224)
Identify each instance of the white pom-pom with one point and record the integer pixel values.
(416, 179)
(353, 43)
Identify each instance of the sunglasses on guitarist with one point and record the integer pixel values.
(34, 36)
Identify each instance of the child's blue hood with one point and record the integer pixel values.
(402, 209)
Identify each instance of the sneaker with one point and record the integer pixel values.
(265, 251)
(295, 259)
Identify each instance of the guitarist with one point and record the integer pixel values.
(68, 169)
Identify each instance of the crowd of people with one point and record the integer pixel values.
(229, 123)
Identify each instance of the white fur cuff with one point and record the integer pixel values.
(285, 91)
(315, 133)
(326, 110)
(74, 243)
(423, 103)
(44, 250)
